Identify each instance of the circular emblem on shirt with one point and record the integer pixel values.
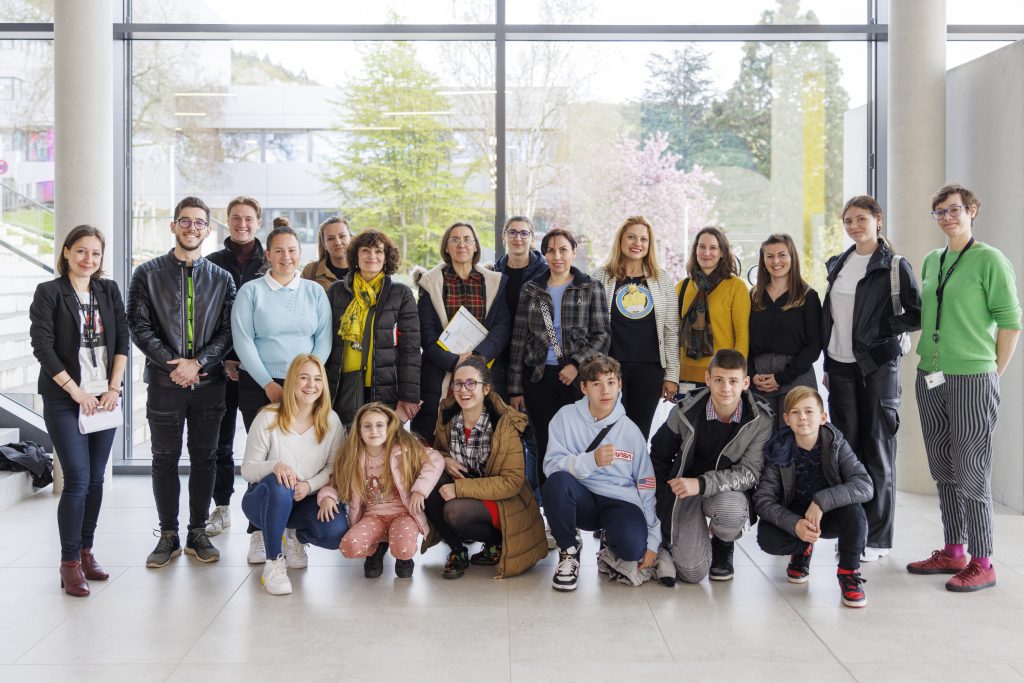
(634, 301)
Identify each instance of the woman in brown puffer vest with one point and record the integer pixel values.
(483, 494)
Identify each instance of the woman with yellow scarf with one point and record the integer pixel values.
(376, 350)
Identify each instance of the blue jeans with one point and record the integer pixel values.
(569, 505)
(270, 506)
(83, 458)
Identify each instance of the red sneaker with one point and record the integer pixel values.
(974, 577)
(939, 563)
(851, 586)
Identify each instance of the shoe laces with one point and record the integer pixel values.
(165, 543)
(201, 540)
(453, 557)
(852, 582)
(278, 567)
(292, 546)
(567, 565)
(257, 540)
(972, 570)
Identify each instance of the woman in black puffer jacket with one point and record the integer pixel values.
(376, 351)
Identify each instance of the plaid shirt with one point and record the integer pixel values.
(469, 293)
(712, 415)
(586, 328)
(472, 453)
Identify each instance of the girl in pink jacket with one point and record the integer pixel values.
(384, 474)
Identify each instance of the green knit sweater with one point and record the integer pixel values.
(980, 296)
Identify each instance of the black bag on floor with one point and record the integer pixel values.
(28, 456)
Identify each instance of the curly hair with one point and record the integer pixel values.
(374, 238)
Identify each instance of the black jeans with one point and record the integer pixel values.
(849, 524)
(83, 459)
(543, 400)
(641, 391)
(867, 411)
(168, 410)
(224, 484)
(251, 397)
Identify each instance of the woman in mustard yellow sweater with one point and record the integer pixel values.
(714, 306)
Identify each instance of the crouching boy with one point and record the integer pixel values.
(707, 458)
(812, 487)
(599, 475)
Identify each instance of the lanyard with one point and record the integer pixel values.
(190, 306)
(939, 290)
(89, 325)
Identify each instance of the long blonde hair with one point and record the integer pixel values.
(349, 467)
(288, 409)
(615, 266)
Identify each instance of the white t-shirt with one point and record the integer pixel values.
(94, 375)
(841, 298)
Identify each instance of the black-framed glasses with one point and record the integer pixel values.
(954, 212)
(469, 384)
(521, 234)
(186, 223)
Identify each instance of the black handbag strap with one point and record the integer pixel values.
(597, 439)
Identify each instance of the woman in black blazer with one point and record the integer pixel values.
(80, 337)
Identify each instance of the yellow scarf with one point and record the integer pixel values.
(353, 320)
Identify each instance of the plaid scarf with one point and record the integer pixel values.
(353, 320)
(474, 452)
(695, 333)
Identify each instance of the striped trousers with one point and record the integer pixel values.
(957, 419)
(724, 514)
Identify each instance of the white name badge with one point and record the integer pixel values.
(95, 387)
(935, 379)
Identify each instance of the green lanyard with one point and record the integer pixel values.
(190, 306)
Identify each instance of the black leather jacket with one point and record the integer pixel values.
(157, 316)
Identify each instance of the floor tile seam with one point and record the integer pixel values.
(213, 618)
(764, 575)
(657, 623)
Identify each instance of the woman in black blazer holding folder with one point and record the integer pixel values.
(80, 337)
(456, 283)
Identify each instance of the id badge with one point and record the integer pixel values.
(934, 379)
(95, 387)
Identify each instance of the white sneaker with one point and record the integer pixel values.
(872, 554)
(220, 519)
(257, 551)
(567, 573)
(275, 577)
(294, 552)
(550, 539)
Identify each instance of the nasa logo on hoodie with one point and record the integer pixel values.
(623, 455)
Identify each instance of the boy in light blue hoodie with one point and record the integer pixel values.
(599, 475)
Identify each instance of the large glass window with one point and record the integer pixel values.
(748, 136)
(378, 12)
(395, 136)
(662, 12)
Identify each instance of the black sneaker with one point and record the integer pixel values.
(456, 565)
(800, 565)
(198, 545)
(567, 573)
(403, 568)
(488, 556)
(373, 565)
(851, 586)
(169, 546)
(721, 560)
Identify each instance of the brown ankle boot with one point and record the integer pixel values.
(72, 580)
(91, 568)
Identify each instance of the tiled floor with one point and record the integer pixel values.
(214, 622)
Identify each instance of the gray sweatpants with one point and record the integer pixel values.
(725, 514)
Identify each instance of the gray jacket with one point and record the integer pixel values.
(848, 481)
(739, 464)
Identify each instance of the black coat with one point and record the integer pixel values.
(849, 483)
(157, 316)
(876, 329)
(56, 330)
(396, 341)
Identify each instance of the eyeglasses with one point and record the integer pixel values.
(954, 212)
(456, 241)
(520, 234)
(469, 384)
(187, 223)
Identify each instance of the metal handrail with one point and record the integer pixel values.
(28, 199)
(28, 257)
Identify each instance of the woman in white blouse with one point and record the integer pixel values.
(289, 455)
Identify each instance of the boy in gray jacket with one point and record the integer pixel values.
(707, 458)
(813, 486)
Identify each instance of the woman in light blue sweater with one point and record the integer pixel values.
(274, 319)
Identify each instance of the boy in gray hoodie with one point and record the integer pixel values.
(599, 475)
